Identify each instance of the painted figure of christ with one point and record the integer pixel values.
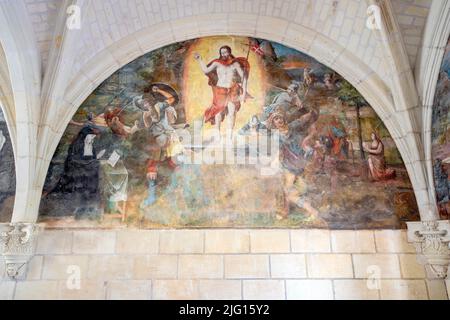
(228, 77)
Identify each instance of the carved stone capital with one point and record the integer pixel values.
(432, 239)
(17, 245)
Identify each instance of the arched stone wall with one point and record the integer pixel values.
(325, 50)
(427, 71)
(21, 100)
(7, 172)
(440, 138)
(59, 191)
(342, 23)
(279, 25)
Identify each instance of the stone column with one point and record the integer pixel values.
(432, 239)
(17, 247)
(448, 287)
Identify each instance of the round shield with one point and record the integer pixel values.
(164, 87)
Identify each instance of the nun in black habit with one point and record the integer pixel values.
(79, 184)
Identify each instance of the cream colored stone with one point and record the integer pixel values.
(110, 267)
(394, 241)
(181, 241)
(137, 242)
(7, 290)
(200, 267)
(411, 269)
(403, 290)
(263, 290)
(288, 266)
(366, 264)
(416, 11)
(242, 23)
(269, 241)
(94, 242)
(175, 290)
(300, 36)
(353, 241)
(129, 290)
(54, 242)
(309, 290)
(125, 51)
(227, 241)
(2, 269)
(150, 39)
(61, 267)
(88, 290)
(77, 90)
(246, 266)
(36, 290)
(34, 270)
(354, 290)
(185, 28)
(325, 49)
(437, 289)
(213, 24)
(447, 283)
(329, 266)
(271, 25)
(155, 267)
(310, 241)
(157, 38)
(220, 289)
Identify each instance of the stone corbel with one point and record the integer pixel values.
(432, 239)
(17, 246)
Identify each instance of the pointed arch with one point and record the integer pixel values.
(323, 49)
(22, 59)
(437, 33)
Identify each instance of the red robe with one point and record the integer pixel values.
(152, 165)
(115, 121)
(222, 96)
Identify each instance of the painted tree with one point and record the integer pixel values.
(348, 94)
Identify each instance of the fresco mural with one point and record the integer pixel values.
(441, 137)
(7, 173)
(227, 132)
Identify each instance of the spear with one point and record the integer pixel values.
(125, 106)
(115, 97)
